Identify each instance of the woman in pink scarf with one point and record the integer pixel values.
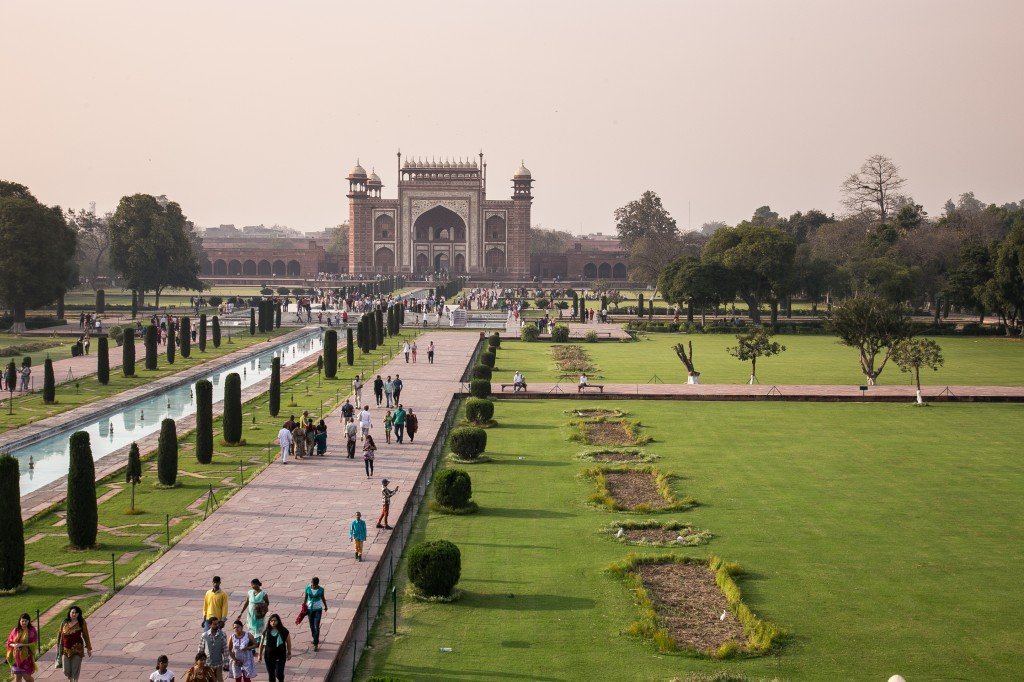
(19, 649)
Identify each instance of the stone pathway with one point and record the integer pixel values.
(287, 525)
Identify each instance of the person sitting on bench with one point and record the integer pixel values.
(518, 382)
(583, 382)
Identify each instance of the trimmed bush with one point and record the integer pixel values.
(468, 442)
(215, 332)
(133, 472)
(233, 408)
(102, 360)
(371, 331)
(167, 453)
(152, 337)
(560, 333)
(49, 383)
(101, 301)
(12, 539)
(116, 332)
(639, 305)
(204, 421)
(277, 315)
(82, 514)
(453, 488)
(185, 337)
(252, 322)
(529, 332)
(360, 328)
(330, 354)
(590, 336)
(482, 372)
(480, 388)
(378, 320)
(202, 333)
(487, 358)
(274, 402)
(171, 347)
(435, 567)
(479, 410)
(128, 353)
(350, 351)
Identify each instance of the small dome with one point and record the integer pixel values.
(374, 179)
(358, 171)
(523, 171)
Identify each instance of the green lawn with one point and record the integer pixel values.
(809, 359)
(15, 347)
(881, 538)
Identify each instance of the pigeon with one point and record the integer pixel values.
(680, 538)
(722, 617)
(621, 533)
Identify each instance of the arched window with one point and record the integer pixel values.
(235, 268)
(384, 228)
(590, 271)
(494, 260)
(460, 263)
(619, 271)
(263, 268)
(279, 268)
(384, 259)
(220, 268)
(604, 271)
(207, 267)
(249, 268)
(422, 262)
(294, 268)
(494, 229)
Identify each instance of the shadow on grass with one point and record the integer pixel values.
(511, 459)
(422, 673)
(525, 602)
(506, 546)
(513, 513)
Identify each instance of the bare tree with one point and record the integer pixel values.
(874, 189)
(93, 238)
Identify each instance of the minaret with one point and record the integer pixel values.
(517, 260)
(360, 226)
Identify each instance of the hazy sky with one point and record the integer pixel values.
(253, 112)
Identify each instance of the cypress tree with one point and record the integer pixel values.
(185, 337)
(167, 453)
(359, 334)
(103, 360)
(604, 302)
(216, 332)
(350, 351)
(49, 383)
(172, 343)
(152, 333)
(640, 305)
(82, 515)
(371, 325)
(101, 301)
(650, 309)
(264, 323)
(378, 321)
(583, 310)
(202, 332)
(128, 353)
(233, 409)
(575, 305)
(133, 472)
(274, 404)
(401, 314)
(204, 421)
(330, 354)
(12, 539)
(252, 322)
(277, 315)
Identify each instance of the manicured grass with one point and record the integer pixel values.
(30, 407)
(881, 538)
(57, 348)
(809, 359)
(129, 545)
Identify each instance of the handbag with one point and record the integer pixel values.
(303, 612)
(59, 664)
(260, 609)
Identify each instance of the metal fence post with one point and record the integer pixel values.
(113, 573)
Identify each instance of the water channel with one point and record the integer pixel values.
(47, 460)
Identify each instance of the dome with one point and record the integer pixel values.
(523, 171)
(374, 178)
(358, 171)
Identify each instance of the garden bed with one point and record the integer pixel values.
(597, 412)
(617, 456)
(658, 534)
(636, 490)
(609, 432)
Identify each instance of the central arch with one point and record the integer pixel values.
(384, 259)
(440, 224)
(441, 262)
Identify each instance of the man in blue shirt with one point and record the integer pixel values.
(357, 534)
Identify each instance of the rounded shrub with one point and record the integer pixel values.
(82, 514)
(12, 540)
(482, 372)
(167, 453)
(468, 442)
(480, 388)
(452, 488)
(560, 333)
(529, 333)
(479, 410)
(590, 336)
(488, 358)
(435, 567)
(494, 340)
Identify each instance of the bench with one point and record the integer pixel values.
(579, 389)
(514, 387)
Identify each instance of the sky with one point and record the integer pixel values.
(254, 112)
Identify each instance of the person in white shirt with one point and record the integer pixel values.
(162, 673)
(284, 438)
(365, 422)
(357, 390)
(406, 349)
(583, 380)
(518, 382)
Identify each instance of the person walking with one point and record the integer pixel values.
(74, 642)
(369, 450)
(162, 673)
(386, 494)
(284, 439)
(347, 410)
(430, 353)
(406, 350)
(357, 390)
(241, 644)
(213, 647)
(365, 421)
(350, 437)
(215, 603)
(321, 438)
(310, 437)
(413, 352)
(201, 672)
(399, 421)
(398, 388)
(255, 607)
(389, 392)
(412, 423)
(357, 534)
(275, 648)
(20, 654)
(316, 604)
(388, 422)
(378, 390)
(299, 441)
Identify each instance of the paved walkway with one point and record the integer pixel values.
(818, 393)
(287, 525)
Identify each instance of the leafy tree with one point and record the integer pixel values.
(82, 515)
(689, 282)
(330, 354)
(167, 453)
(37, 249)
(644, 217)
(760, 260)
(886, 277)
(153, 246)
(549, 241)
(965, 286)
(873, 326)
(913, 354)
(274, 394)
(128, 353)
(232, 409)
(874, 189)
(103, 360)
(1004, 293)
(750, 347)
(12, 539)
(204, 421)
(49, 383)
(93, 236)
(216, 332)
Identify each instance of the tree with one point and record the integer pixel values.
(644, 217)
(93, 237)
(128, 353)
(760, 261)
(172, 342)
(548, 241)
(1004, 293)
(185, 337)
(331, 354)
(873, 326)
(689, 282)
(350, 351)
(37, 249)
(338, 246)
(167, 453)
(49, 383)
(378, 322)
(750, 347)
(874, 189)
(152, 336)
(204, 421)
(650, 255)
(216, 332)
(82, 515)
(202, 333)
(133, 471)
(252, 321)
(103, 360)
(277, 315)
(233, 409)
(913, 354)
(153, 246)
(687, 359)
(12, 539)
(274, 394)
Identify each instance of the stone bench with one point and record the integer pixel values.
(580, 389)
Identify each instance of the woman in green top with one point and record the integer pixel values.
(317, 604)
(255, 608)
(388, 420)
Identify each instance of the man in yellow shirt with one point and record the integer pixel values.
(215, 604)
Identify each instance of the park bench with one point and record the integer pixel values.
(579, 389)
(503, 386)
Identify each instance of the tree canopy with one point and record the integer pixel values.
(760, 260)
(874, 327)
(644, 217)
